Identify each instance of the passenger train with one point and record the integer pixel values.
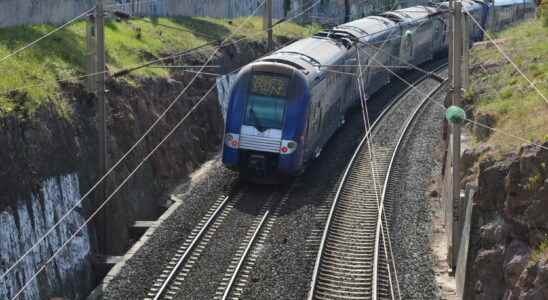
(283, 108)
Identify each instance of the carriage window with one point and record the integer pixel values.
(265, 112)
(266, 103)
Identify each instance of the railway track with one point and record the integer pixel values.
(236, 276)
(169, 283)
(354, 257)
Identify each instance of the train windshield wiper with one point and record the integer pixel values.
(257, 121)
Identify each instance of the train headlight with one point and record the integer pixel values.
(232, 140)
(288, 147)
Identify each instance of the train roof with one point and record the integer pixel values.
(368, 26)
(467, 5)
(510, 2)
(411, 13)
(307, 55)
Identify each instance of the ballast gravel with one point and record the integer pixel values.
(284, 268)
(139, 273)
(412, 214)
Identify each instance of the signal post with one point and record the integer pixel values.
(454, 98)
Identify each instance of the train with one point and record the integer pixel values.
(284, 107)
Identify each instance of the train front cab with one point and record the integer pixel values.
(264, 132)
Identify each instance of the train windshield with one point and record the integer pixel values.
(266, 103)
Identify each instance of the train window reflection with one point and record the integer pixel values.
(265, 112)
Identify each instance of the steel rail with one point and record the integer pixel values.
(388, 177)
(245, 254)
(384, 113)
(160, 292)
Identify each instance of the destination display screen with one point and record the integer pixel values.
(270, 86)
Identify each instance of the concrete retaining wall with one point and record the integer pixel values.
(21, 12)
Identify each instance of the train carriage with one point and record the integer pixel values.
(266, 130)
(283, 108)
(508, 11)
(378, 39)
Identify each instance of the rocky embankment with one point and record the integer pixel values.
(509, 240)
(49, 161)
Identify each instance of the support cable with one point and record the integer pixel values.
(136, 67)
(103, 177)
(117, 163)
(507, 57)
(31, 44)
(470, 120)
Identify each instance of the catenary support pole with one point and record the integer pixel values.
(101, 118)
(91, 49)
(456, 133)
(449, 101)
(267, 24)
(466, 51)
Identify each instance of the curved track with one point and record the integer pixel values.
(354, 258)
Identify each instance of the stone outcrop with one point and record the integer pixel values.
(39, 151)
(22, 226)
(510, 221)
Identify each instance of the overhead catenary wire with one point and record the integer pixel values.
(86, 222)
(380, 200)
(467, 119)
(136, 67)
(365, 113)
(114, 167)
(507, 57)
(382, 214)
(186, 52)
(190, 71)
(31, 44)
(120, 186)
(103, 177)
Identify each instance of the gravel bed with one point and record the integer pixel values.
(412, 217)
(207, 272)
(137, 276)
(386, 133)
(285, 269)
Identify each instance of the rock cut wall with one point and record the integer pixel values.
(23, 226)
(510, 221)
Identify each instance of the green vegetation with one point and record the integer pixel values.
(31, 78)
(534, 182)
(500, 90)
(540, 253)
(544, 13)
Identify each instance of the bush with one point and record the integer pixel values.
(544, 12)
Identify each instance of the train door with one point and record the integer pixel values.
(313, 129)
(377, 74)
(423, 41)
(407, 45)
(439, 37)
(350, 92)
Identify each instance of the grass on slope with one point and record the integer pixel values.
(504, 93)
(63, 55)
(540, 253)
